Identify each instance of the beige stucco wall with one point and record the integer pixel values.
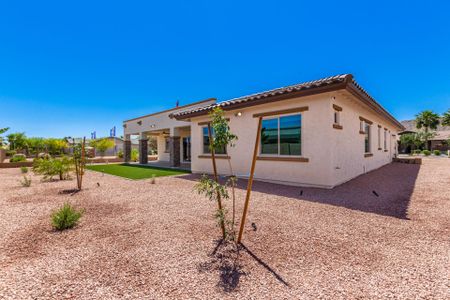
(335, 156)
(348, 144)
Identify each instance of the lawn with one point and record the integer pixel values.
(134, 171)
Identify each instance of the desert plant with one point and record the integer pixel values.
(44, 156)
(65, 217)
(417, 151)
(53, 167)
(437, 152)
(120, 154)
(18, 158)
(11, 153)
(220, 137)
(101, 145)
(427, 120)
(35, 145)
(26, 181)
(24, 170)
(134, 156)
(426, 152)
(55, 146)
(79, 157)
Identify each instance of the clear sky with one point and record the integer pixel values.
(68, 68)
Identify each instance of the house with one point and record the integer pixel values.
(118, 145)
(319, 133)
(439, 141)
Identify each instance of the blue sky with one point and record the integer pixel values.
(69, 68)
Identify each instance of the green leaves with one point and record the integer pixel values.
(446, 118)
(101, 145)
(211, 189)
(427, 119)
(222, 135)
(66, 217)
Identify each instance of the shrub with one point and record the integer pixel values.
(426, 152)
(18, 158)
(134, 155)
(24, 170)
(65, 217)
(417, 151)
(26, 182)
(437, 152)
(52, 167)
(120, 154)
(11, 152)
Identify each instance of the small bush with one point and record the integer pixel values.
(26, 182)
(417, 151)
(53, 167)
(11, 153)
(134, 155)
(120, 154)
(65, 217)
(24, 170)
(437, 152)
(426, 152)
(18, 158)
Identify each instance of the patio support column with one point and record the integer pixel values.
(143, 148)
(174, 148)
(127, 148)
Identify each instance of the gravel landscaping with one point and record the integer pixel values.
(383, 235)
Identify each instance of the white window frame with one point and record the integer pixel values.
(385, 139)
(278, 119)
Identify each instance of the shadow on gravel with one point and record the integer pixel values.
(226, 258)
(385, 191)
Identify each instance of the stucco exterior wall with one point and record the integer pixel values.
(315, 138)
(162, 154)
(348, 152)
(335, 156)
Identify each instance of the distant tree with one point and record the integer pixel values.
(17, 141)
(3, 130)
(446, 118)
(35, 144)
(427, 120)
(55, 146)
(153, 144)
(101, 145)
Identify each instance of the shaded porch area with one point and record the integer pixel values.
(184, 166)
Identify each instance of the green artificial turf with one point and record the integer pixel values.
(134, 171)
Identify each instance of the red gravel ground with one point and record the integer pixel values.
(138, 240)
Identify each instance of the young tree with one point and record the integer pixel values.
(79, 159)
(55, 146)
(220, 137)
(35, 145)
(446, 118)
(427, 120)
(101, 145)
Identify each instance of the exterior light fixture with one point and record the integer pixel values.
(238, 114)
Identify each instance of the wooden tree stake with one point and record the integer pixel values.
(250, 180)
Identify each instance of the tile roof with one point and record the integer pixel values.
(314, 86)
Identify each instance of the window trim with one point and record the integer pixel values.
(368, 127)
(265, 156)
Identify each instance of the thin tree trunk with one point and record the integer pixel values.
(233, 192)
(216, 178)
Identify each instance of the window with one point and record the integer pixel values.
(206, 149)
(281, 135)
(361, 126)
(366, 137)
(336, 117)
(385, 139)
(167, 144)
(379, 137)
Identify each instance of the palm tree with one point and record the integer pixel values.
(2, 130)
(427, 120)
(446, 118)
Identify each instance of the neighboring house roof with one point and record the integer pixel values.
(328, 84)
(443, 135)
(410, 125)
